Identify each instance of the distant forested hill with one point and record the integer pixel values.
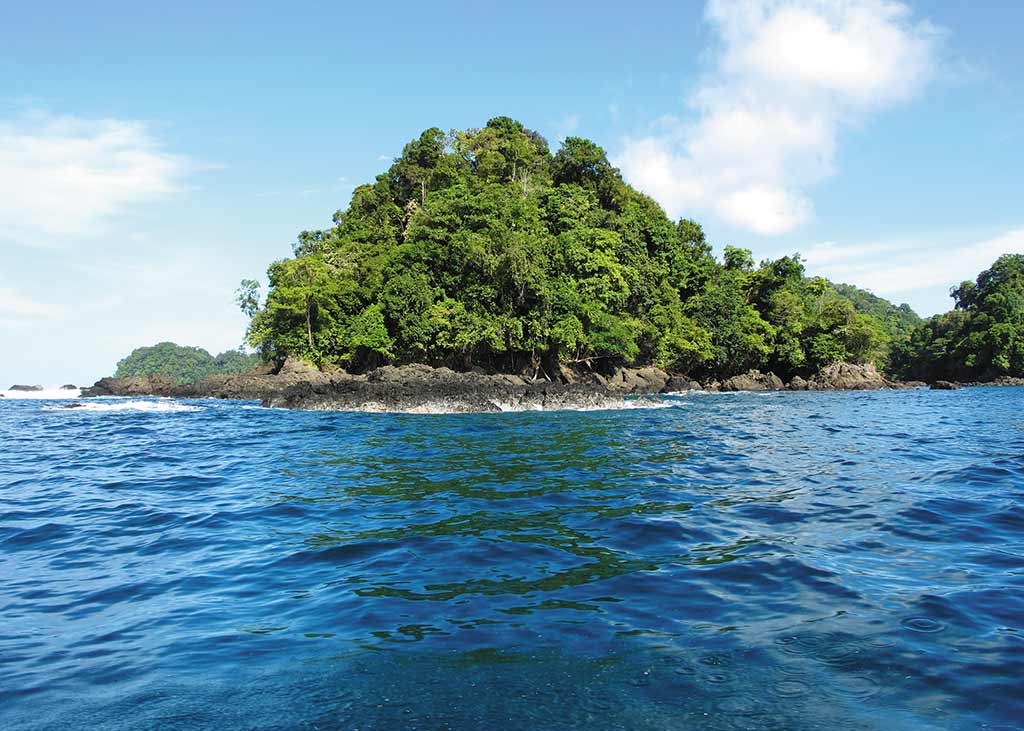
(186, 364)
(898, 321)
(481, 247)
(981, 339)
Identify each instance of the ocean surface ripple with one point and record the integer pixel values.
(737, 561)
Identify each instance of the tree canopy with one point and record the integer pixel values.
(482, 248)
(981, 338)
(186, 364)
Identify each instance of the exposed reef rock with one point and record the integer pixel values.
(21, 387)
(753, 381)
(417, 388)
(946, 386)
(845, 377)
(422, 388)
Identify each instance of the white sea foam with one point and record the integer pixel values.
(47, 394)
(164, 406)
(461, 407)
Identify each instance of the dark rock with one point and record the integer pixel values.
(753, 381)
(419, 388)
(294, 366)
(21, 387)
(69, 387)
(133, 386)
(638, 380)
(679, 383)
(798, 384)
(848, 377)
(946, 386)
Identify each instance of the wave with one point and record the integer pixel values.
(153, 407)
(442, 407)
(47, 394)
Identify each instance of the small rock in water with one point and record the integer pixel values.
(946, 386)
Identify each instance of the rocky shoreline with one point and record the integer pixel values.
(421, 388)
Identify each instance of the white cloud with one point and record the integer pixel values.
(13, 304)
(789, 75)
(68, 176)
(902, 268)
(566, 125)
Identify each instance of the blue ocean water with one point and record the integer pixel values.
(734, 561)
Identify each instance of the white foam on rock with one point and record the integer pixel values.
(47, 394)
(105, 405)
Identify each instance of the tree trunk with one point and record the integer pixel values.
(309, 325)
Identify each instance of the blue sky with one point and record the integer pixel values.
(150, 158)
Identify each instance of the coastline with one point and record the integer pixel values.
(421, 388)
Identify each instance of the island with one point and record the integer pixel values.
(481, 271)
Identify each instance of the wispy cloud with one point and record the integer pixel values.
(22, 308)
(64, 176)
(566, 125)
(764, 125)
(906, 267)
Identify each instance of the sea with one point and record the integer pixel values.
(704, 561)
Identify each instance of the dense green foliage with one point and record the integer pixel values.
(899, 321)
(981, 339)
(480, 247)
(184, 363)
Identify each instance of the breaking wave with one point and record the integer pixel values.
(153, 407)
(47, 394)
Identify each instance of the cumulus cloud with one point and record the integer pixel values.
(788, 76)
(68, 176)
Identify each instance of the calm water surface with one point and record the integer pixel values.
(747, 561)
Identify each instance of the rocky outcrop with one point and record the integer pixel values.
(946, 386)
(419, 388)
(22, 387)
(69, 387)
(638, 380)
(133, 386)
(753, 381)
(848, 377)
(680, 383)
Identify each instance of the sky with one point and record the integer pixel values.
(153, 155)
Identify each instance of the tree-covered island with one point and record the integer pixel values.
(481, 248)
(182, 363)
